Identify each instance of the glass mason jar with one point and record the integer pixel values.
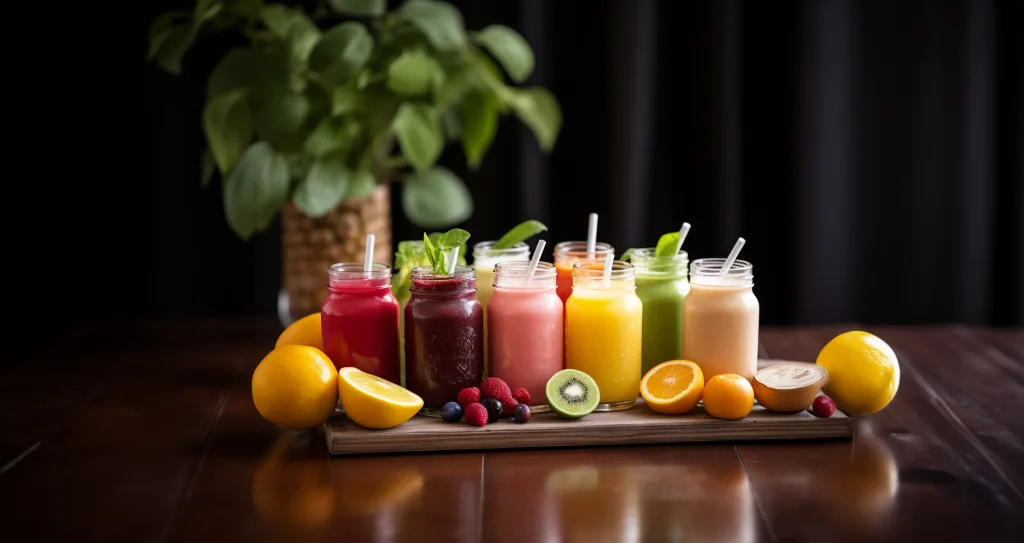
(662, 285)
(359, 320)
(721, 315)
(568, 253)
(484, 259)
(444, 336)
(526, 328)
(604, 333)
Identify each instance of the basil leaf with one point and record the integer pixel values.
(521, 232)
(453, 238)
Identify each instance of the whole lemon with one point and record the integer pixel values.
(295, 387)
(863, 373)
(305, 331)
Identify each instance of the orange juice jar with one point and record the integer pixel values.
(568, 253)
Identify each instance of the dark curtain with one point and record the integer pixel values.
(869, 152)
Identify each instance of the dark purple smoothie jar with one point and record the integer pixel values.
(444, 336)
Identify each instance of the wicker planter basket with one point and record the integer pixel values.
(310, 246)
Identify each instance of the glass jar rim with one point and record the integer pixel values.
(353, 271)
(578, 249)
(646, 263)
(482, 246)
(426, 274)
(512, 274)
(594, 269)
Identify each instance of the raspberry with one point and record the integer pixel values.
(522, 395)
(823, 407)
(493, 387)
(468, 396)
(476, 414)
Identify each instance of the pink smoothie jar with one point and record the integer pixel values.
(526, 328)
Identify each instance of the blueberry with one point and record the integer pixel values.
(493, 409)
(451, 412)
(521, 413)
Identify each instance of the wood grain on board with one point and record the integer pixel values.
(635, 426)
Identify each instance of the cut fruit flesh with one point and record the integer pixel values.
(378, 388)
(673, 387)
(572, 394)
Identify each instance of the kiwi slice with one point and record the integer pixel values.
(572, 394)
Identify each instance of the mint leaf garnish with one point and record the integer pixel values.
(520, 232)
(667, 245)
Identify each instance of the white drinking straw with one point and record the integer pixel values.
(451, 260)
(732, 257)
(368, 258)
(607, 275)
(682, 235)
(592, 236)
(532, 268)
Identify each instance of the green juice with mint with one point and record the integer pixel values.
(662, 286)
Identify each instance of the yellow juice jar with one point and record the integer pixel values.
(603, 334)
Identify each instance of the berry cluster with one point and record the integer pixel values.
(488, 403)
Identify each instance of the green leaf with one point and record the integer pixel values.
(172, 46)
(256, 189)
(228, 127)
(293, 27)
(341, 52)
(452, 89)
(332, 135)
(263, 73)
(539, 110)
(207, 165)
(478, 115)
(324, 186)
(450, 125)
(440, 22)
(418, 134)
(361, 185)
(627, 255)
(412, 73)
(246, 8)
(453, 238)
(520, 232)
(436, 198)
(511, 50)
(343, 100)
(160, 29)
(280, 120)
(667, 244)
(205, 10)
(431, 251)
(359, 8)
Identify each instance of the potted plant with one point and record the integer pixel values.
(325, 108)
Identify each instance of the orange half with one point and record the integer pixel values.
(673, 387)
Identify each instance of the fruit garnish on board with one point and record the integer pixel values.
(372, 402)
(728, 396)
(572, 394)
(789, 387)
(673, 387)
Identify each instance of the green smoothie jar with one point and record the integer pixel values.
(662, 286)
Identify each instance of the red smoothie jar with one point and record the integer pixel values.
(444, 336)
(359, 320)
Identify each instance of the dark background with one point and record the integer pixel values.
(870, 152)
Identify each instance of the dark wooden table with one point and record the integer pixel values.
(146, 432)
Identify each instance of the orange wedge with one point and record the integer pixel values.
(673, 387)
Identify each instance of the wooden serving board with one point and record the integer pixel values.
(635, 426)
